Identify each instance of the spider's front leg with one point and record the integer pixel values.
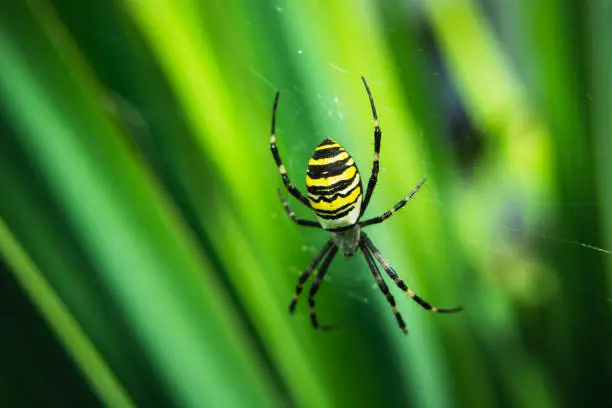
(375, 164)
(279, 163)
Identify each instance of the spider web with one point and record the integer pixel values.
(333, 108)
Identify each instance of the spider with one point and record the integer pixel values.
(335, 195)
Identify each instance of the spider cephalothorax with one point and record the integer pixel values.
(336, 197)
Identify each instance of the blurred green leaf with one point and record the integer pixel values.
(145, 240)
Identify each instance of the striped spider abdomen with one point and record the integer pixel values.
(334, 186)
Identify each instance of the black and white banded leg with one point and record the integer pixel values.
(306, 274)
(397, 207)
(298, 221)
(393, 275)
(375, 165)
(279, 163)
(382, 285)
(315, 287)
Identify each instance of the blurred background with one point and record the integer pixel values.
(147, 261)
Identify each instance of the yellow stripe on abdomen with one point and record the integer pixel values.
(328, 146)
(328, 181)
(338, 202)
(322, 162)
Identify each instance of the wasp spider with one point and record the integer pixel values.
(335, 195)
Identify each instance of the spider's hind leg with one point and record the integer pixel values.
(382, 285)
(315, 287)
(306, 274)
(393, 275)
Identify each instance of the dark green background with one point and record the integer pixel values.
(145, 259)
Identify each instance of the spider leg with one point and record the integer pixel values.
(382, 285)
(279, 163)
(385, 264)
(291, 214)
(381, 218)
(377, 136)
(315, 287)
(306, 274)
